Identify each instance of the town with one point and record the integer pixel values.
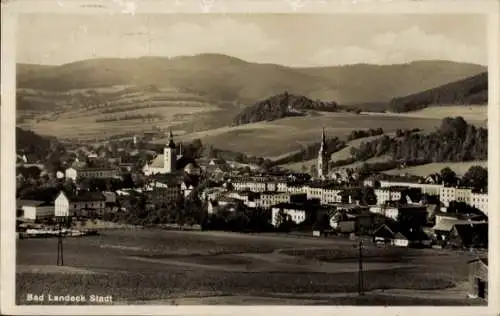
(184, 187)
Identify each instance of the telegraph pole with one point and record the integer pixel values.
(360, 269)
(60, 258)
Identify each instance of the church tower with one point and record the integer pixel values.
(169, 156)
(323, 158)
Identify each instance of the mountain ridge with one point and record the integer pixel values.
(228, 78)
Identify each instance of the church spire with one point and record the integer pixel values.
(171, 143)
(323, 140)
(323, 158)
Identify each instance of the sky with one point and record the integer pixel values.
(296, 40)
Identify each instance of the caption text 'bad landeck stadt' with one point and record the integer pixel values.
(262, 159)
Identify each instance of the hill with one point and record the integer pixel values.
(34, 146)
(472, 90)
(281, 106)
(221, 77)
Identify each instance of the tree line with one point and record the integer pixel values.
(454, 141)
(129, 117)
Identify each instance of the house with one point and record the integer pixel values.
(110, 197)
(33, 210)
(99, 173)
(389, 194)
(295, 211)
(79, 205)
(347, 227)
(469, 236)
(400, 240)
(384, 234)
(212, 207)
(478, 278)
(479, 201)
(434, 178)
(415, 213)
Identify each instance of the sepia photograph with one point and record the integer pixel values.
(211, 157)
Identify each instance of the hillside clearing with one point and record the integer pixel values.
(276, 138)
(460, 168)
(474, 114)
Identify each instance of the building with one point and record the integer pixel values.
(294, 211)
(79, 205)
(418, 213)
(37, 210)
(384, 234)
(165, 163)
(479, 201)
(478, 278)
(465, 195)
(469, 236)
(400, 240)
(386, 194)
(75, 173)
(269, 199)
(323, 158)
(426, 188)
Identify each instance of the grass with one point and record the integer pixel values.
(344, 153)
(460, 168)
(276, 138)
(76, 121)
(473, 113)
(115, 273)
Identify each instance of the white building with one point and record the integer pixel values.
(165, 163)
(394, 211)
(84, 205)
(386, 194)
(99, 173)
(426, 188)
(37, 212)
(296, 212)
(387, 211)
(465, 195)
(479, 201)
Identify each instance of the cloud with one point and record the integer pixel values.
(244, 40)
(398, 47)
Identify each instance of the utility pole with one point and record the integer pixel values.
(360, 269)
(60, 258)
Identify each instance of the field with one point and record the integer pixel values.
(459, 167)
(472, 113)
(166, 108)
(173, 267)
(276, 138)
(342, 154)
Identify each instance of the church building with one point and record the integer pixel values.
(323, 159)
(164, 163)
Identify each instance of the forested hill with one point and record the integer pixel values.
(469, 91)
(34, 146)
(455, 140)
(280, 106)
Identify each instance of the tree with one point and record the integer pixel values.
(369, 196)
(449, 176)
(476, 177)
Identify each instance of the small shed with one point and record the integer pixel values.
(383, 234)
(400, 240)
(478, 278)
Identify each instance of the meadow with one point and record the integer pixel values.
(277, 138)
(344, 153)
(151, 266)
(460, 168)
(170, 108)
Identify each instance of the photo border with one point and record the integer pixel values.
(10, 10)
